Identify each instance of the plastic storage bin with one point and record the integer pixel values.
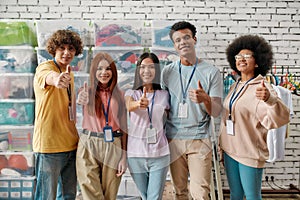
(16, 164)
(45, 28)
(160, 33)
(80, 63)
(165, 55)
(16, 138)
(125, 81)
(16, 86)
(17, 59)
(115, 33)
(17, 32)
(16, 112)
(17, 188)
(124, 57)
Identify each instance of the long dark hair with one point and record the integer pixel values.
(138, 83)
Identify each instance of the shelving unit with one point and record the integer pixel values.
(17, 67)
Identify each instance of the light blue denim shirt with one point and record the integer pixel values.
(196, 125)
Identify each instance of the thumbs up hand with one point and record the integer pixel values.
(63, 79)
(262, 92)
(144, 102)
(83, 95)
(198, 95)
(68, 70)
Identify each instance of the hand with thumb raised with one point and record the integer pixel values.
(144, 92)
(199, 85)
(263, 83)
(262, 92)
(198, 95)
(83, 95)
(143, 102)
(63, 80)
(68, 69)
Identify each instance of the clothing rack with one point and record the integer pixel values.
(285, 76)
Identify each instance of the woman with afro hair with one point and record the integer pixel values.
(251, 108)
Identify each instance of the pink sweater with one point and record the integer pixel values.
(252, 118)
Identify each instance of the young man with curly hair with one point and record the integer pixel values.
(55, 135)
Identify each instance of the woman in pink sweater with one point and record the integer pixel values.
(250, 109)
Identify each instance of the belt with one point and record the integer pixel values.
(99, 134)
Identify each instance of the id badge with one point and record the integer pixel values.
(230, 127)
(71, 115)
(108, 134)
(151, 135)
(183, 110)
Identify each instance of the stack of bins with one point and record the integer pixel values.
(162, 45)
(17, 67)
(80, 64)
(122, 40)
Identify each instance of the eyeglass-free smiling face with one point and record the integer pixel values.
(245, 63)
(147, 71)
(64, 55)
(104, 73)
(184, 42)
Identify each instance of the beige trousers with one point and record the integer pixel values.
(191, 158)
(96, 166)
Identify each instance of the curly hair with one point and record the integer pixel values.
(262, 53)
(62, 37)
(138, 83)
(180, 26)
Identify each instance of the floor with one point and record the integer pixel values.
(168, 195)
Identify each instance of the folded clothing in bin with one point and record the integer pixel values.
(16, 138)
(16, 85)
(118, 33)
(16, 164)
(17, 59)
(16, 112)
(17, 33)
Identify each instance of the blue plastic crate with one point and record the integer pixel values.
(16, 112)
(17, 188)
(17, 59)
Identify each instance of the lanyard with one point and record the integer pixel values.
(234, 97)
(150, 112)
(184, 92)
(69, 88)
(106, 112)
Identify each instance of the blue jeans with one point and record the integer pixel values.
(149, 175)
(59, 195)
(243, 180)
(50, 167)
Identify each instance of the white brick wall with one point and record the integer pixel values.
(220, 22)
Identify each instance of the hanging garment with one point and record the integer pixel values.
(276, 137)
